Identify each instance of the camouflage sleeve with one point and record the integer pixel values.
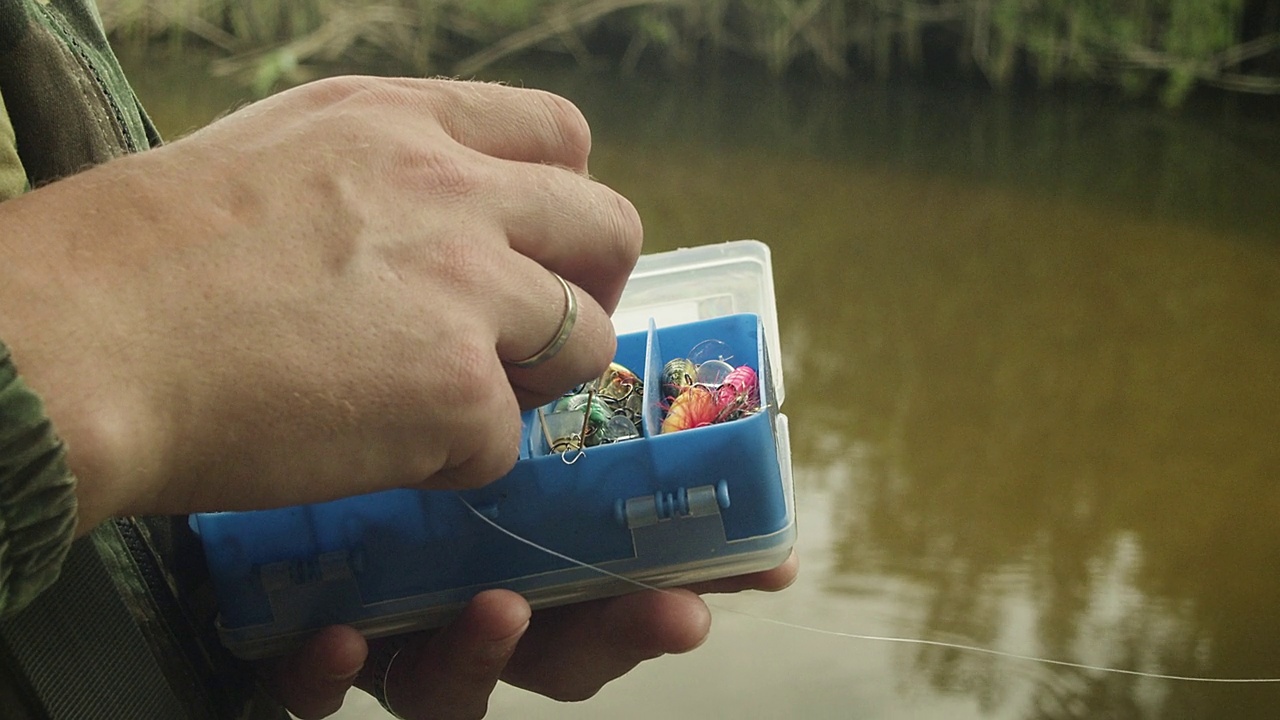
(37, 494)
(13, 178)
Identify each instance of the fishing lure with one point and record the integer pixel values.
(739, 394)
(622, 392)
(563, 430)
(713, 372)
(694, 408)
(617, 384)
(704, 389)
(677, 375)
(598, 413)
(603, 411)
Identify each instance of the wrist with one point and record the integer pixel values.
(69, 342)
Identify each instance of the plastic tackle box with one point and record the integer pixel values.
(660, 509)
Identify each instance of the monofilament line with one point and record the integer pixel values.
(553, 553)
(999, 653)
(876, 638)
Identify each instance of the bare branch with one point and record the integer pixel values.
(580, 15)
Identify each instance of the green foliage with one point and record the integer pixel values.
(1181, 43)
(1196, 31)
(505, 14)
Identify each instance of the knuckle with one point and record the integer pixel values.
(504, 442)
(495, 457)
(389, 93)
(470, 382)
(626, 232)
(463, 262)
(569, 129)
(488, 417)
(602, 349)
(435, 170)
(344, 129)
(364, 90)
(332, 90)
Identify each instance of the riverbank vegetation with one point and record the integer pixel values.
(1167, 47)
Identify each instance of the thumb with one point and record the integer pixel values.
(312, 681)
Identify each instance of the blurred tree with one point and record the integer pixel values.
(1231, 44)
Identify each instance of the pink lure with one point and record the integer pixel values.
(740, 391)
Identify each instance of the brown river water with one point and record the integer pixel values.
(1032, 351)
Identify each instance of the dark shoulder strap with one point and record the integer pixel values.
(117, 638)
(79, 653)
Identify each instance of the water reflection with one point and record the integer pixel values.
(1032, 353)
(1072, 423)
(1056, 402)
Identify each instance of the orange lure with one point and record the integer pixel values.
(694, 408)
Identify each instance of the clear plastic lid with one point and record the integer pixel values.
(699, 283)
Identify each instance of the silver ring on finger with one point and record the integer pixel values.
(562, 334)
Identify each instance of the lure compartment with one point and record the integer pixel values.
(662, 509)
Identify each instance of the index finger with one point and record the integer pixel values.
(510, 123)
(503, 122)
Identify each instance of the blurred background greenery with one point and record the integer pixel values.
(1162, 46)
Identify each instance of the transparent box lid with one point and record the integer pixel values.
(690, 284)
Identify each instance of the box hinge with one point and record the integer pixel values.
(682, 521)
(312, 587)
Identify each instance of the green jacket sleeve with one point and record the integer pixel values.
(13, 179)
(37, 493)
(37, 498)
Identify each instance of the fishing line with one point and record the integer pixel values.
(873, 638)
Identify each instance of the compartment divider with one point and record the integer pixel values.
(652, 382)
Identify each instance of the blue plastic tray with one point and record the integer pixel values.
(662, 510)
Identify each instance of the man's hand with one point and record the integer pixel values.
(566, 653)
(317, 296)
